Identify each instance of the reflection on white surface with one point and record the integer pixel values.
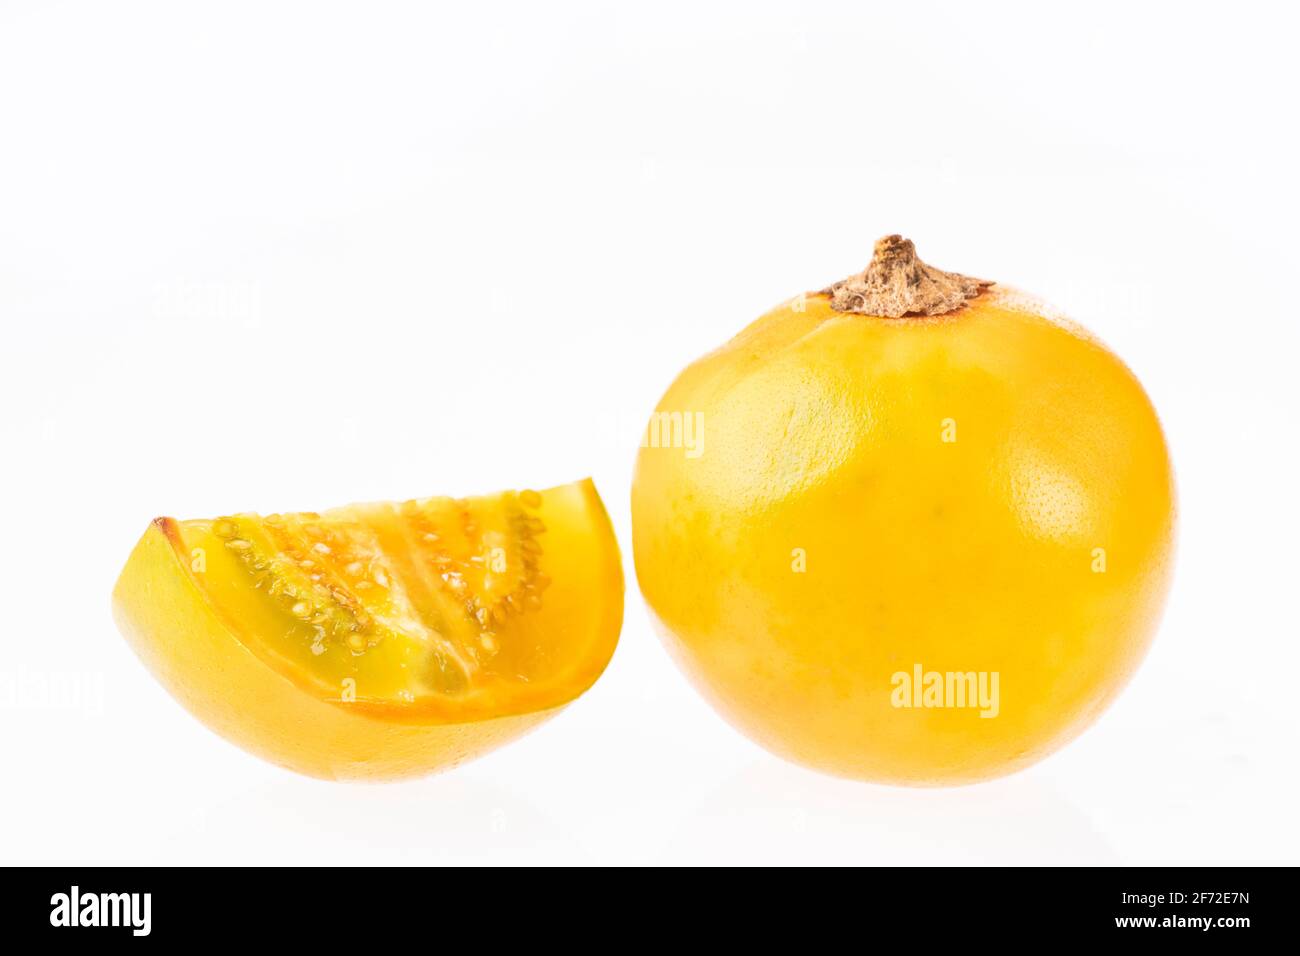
(449, 819)
(775, 813)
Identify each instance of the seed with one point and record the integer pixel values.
(535, 525)
(381, 578)
(224, 528)
(489, 642)
(354, 568)
(484, 616)
(530, 499)
(238, 544)
(320, 547)
(430, 537)
(301, 609)
(357, 642)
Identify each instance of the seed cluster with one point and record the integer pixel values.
(332, 579)
(520, 553)
(295, 576)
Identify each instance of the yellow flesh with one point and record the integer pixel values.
(432, 606)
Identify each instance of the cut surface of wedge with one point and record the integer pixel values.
(379, 640)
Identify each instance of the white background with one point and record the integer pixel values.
(271, 257)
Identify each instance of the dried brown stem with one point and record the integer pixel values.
(897, 283)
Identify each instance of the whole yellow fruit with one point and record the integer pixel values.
(909, 529)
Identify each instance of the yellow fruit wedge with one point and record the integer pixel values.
(379, 641)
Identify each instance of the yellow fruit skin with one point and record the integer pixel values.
(201, 660)
(984, 491)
